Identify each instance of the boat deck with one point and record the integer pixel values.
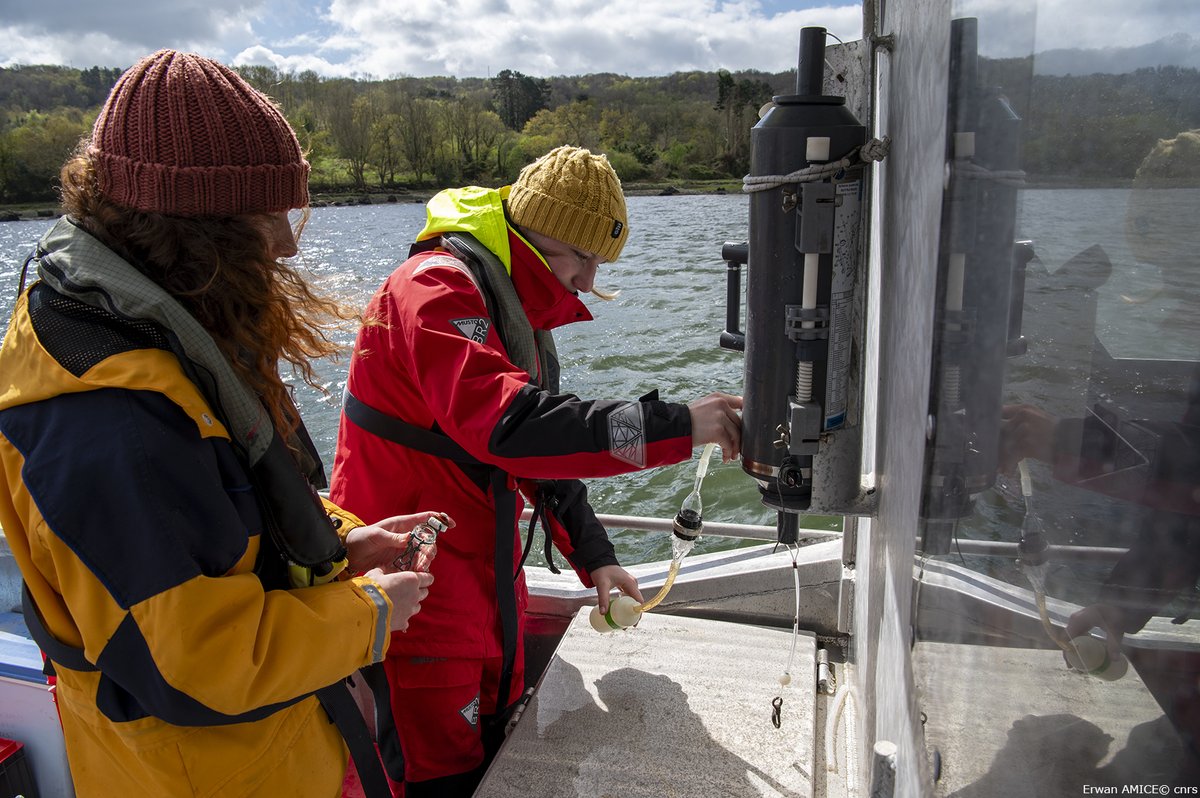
(673, 707)
(1021, 707)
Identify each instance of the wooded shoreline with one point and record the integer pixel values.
(408, 137)
(32, 211)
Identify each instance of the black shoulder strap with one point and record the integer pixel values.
(55, 650)
(399, 431)
(385, 723)
(506, 594)
(440, 445)
(345, 714)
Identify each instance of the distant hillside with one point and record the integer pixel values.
(390, 135)
(1179, 49)
(1095, 124)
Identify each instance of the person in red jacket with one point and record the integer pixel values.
(454, 377)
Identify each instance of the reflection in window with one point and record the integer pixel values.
(1061, 511)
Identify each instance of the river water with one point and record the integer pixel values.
(661, 332)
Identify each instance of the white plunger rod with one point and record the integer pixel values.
(816, 150)
(808, 299)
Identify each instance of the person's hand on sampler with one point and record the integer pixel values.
(715, 419)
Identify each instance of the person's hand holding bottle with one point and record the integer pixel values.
(376, 547)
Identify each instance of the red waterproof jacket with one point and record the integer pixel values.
(430, 354)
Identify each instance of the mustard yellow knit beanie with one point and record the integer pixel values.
(573, 196)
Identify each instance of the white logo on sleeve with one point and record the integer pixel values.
(475, 329)
(470, 712)
(626, 435)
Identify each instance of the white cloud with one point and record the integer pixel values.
(538, 37)
(425, 37)
(135, 19)
(1009, 28)
(1112, 23)
(84, 33)
(263, 56)
(567, 37)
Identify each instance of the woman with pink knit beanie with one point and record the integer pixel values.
(189, 587)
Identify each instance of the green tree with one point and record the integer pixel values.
(350, 117)
(419, 134)
(358, 131)
(509, 158)
(576, 123)
(473, 131)
(627, 167)
(386, 154)
(34, 150)
(263, 78)
(627, 131)
(518, 97)
(734, 98)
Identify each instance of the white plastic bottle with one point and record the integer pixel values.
(623, 612)
(1090, 656)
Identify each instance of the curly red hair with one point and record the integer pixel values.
(259, 311)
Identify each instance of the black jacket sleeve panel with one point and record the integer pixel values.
(538, 423)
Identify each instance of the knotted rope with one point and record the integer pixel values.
(873, 150)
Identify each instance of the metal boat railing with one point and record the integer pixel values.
(763, 532)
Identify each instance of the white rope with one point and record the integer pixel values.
(873, 150)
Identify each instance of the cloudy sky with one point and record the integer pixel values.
(383, 38)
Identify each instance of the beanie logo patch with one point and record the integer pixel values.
(618, 226)
(475, 329)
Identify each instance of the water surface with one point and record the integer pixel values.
(661, 332)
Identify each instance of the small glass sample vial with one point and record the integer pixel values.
(421, 547)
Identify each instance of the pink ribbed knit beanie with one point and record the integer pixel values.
(183, 135)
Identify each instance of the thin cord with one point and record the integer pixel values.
(794, 549)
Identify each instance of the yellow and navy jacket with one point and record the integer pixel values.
(138, 532)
